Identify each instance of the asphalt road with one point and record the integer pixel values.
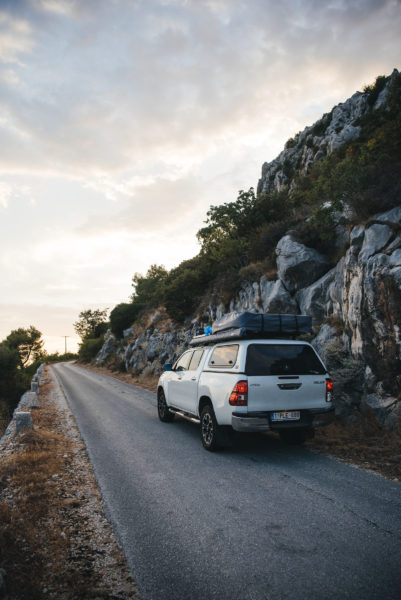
(263, 521)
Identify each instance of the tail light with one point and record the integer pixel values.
(329, 390)
(239, 395)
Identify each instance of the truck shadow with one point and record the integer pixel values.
(255, 446)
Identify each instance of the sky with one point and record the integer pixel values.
(122, 121)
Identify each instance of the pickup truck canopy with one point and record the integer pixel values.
(238, 325)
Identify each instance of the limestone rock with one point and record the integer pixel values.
(325, 335)
(275, 298)
(376, 238)
(313, 300)
(109, 346)
(298, 266)
(390, 217)
(248, 298)
(357, 235)
(379, 406)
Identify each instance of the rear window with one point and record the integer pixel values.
(195, 360)
(224, 356)
(280, 359)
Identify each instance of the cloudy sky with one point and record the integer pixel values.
(122, 120)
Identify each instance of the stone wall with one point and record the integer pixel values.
(21, 416)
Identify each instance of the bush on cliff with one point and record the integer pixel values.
(88, 349)
(122, 316)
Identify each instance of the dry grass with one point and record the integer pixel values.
(364, 444)
(51, 512)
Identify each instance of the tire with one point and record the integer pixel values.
(294, 437)
(209, 429)
(162, 409)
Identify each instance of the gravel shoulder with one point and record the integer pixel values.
(55, 540)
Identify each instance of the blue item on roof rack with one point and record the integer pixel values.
(237, 325)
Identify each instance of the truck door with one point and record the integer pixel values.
(174, 391)
(188, 384)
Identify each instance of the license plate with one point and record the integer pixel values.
(286, 415)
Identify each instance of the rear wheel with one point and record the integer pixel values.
(162, 409)
(209, 429)
(295, 437)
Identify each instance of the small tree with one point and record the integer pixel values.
(149, 288)
(91, 323)
(27, 343)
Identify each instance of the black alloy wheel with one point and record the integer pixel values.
(162, 409)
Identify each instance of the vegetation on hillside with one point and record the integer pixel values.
(91, 327)
(238, 240)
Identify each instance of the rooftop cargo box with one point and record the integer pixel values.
(237, 325)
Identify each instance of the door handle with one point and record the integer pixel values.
(193, 378)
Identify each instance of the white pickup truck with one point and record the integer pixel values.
(249, 385)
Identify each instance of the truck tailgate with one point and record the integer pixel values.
(273, 392)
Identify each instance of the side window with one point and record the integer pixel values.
(183, 362)
(195, 360)
(224, 356)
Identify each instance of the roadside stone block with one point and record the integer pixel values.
(23, 420)
(32, 399)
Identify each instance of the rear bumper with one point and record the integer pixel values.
(262, 422)
(249, 423)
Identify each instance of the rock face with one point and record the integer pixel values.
(355, 305)
(297, 265)
(145, 352)
(317, 141)
(362, 294)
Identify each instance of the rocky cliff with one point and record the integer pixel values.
(355, 305)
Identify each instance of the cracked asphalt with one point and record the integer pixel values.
(261, 521)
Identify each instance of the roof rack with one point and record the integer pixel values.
(236, 326)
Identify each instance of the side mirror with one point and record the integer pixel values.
(168, 367)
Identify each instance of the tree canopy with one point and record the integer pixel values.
(91, 323)
(27, 343)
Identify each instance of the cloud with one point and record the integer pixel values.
(5, 194)
(135, 82)
(10, 191)
(16, 38)
(161, 204)
(125, 120)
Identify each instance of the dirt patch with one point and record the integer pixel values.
(365, 445)
(55, 541)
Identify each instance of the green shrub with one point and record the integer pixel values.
(290, 143)
(320, 127)
(375, 89)
(89, 348)
(122, 316)
(149, 288)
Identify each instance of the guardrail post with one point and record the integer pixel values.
(23, 420)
